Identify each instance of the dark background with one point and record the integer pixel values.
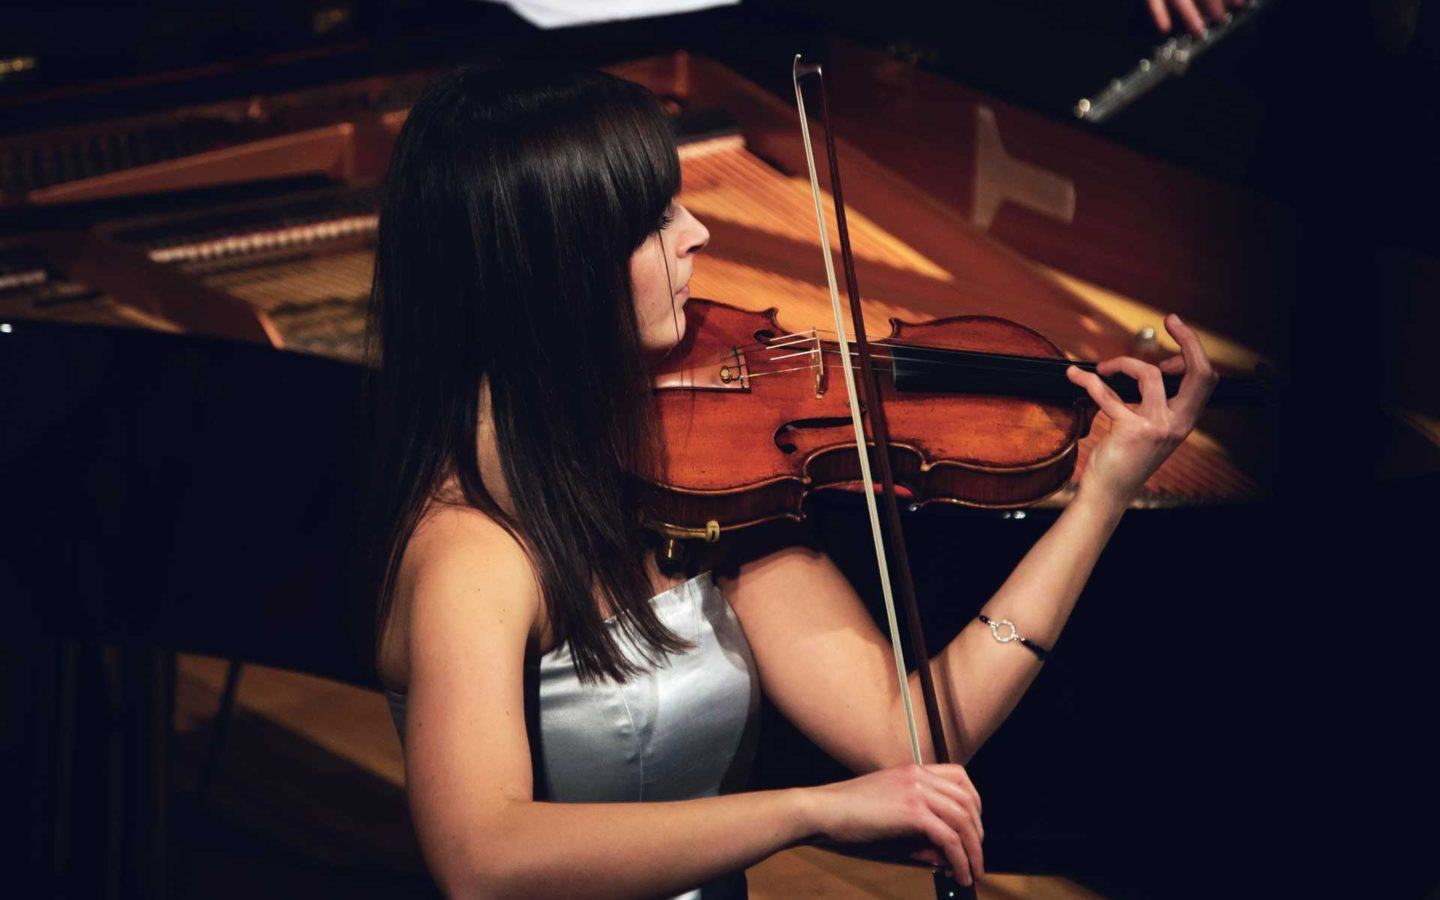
(1241, 690)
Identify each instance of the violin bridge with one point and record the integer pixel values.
(817, 364)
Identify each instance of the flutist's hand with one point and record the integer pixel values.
(1194, 13)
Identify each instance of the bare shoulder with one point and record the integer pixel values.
(461, 544)
(461, 573)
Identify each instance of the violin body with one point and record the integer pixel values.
(755, 417)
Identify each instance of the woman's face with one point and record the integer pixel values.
(660, 277)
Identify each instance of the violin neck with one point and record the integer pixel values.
(942, 371)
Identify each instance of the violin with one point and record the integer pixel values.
(755, 417)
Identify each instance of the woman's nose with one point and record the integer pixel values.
(696, 236)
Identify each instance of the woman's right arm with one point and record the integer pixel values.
(472, 602)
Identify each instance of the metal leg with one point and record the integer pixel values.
(111, 664)
(68, 675)
(160, 718)
(221, 728)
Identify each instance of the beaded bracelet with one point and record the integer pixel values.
(1014, 635)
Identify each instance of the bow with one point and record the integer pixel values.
(945, 885)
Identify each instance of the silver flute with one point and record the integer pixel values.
(1173, 57)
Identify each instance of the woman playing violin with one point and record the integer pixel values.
(569, 714)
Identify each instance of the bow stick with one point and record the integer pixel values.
(945, 885)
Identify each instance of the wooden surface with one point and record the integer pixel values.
(1139, 226)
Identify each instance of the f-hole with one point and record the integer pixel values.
(820, 422)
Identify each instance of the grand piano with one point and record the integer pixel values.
(185, 255)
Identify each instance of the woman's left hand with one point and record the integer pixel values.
(1140, 439)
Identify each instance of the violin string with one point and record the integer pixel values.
(989, 362)
(968, 357)
(976, 355)
(793, 355)
(829, 331)
(973, 361)
(782, 340)
(808, 334)
(754, 374)
(799, 337)
(972, 364)
(804, 338)
(799, 342)
(794, 339)
(793, 336)
(977, 367)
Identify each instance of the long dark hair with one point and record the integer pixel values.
(513, 203)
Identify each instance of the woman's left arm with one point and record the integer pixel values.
(827, 667)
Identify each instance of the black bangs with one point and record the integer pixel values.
(645, 164)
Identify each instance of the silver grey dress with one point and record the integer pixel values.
(682, 730)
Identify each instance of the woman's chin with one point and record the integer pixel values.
(667, 336)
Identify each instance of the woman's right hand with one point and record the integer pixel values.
(933, 806)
